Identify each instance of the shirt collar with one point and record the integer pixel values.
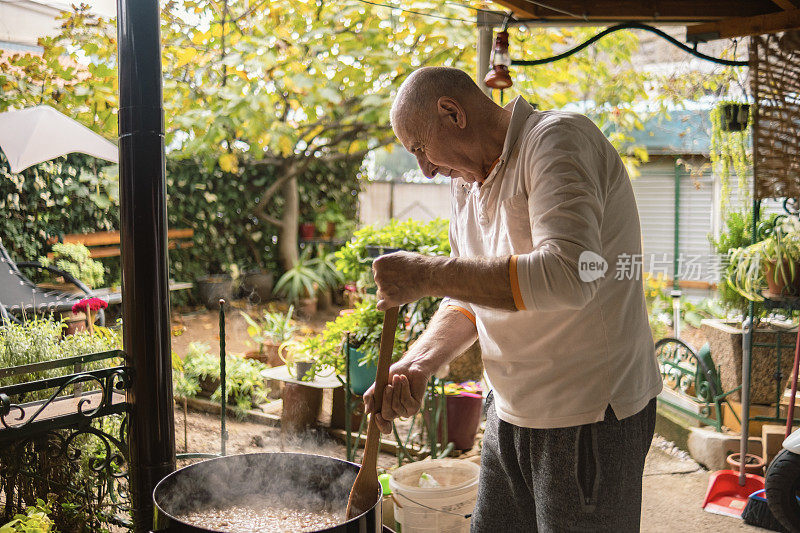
(520, 111)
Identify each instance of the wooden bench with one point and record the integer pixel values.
(106, 243)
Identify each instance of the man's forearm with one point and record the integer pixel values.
(447, 336)
(479, 280)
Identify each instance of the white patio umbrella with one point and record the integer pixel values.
(36, 134)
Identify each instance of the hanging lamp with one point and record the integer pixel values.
(499, 77)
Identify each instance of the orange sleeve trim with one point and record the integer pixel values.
(512, 275)
(464, 312)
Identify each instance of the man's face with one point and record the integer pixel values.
(438, 149)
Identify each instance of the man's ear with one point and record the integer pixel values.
(450, 111)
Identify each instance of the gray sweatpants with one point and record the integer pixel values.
(580, 478)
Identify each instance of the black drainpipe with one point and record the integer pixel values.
(143, 225)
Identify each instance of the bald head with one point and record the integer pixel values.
(452, 128)
(415, 103)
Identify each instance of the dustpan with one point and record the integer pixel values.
(726, 496)
(728, 490)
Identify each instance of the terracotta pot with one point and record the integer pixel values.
(324, 300)
(780, 287)
(301, 407)
(753, 463)
(74, 323)
(307, 231)
(256, 355)
(307, 306)
(272, 355)
(463, 419)
(330, 230)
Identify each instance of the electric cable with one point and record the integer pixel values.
(629, 26)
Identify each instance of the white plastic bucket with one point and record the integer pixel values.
(435, 509)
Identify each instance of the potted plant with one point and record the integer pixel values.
(245, 387)
(299, 285)
(300, 357)
(730, 149)
(364, 325)
(463, 403)
(307, 230)
(76, 260)
(330, 278)
(735, 116)
(275, 329)
(331, 222)
(773, 262)
(214, 287)
(203, 367)
(257, 285)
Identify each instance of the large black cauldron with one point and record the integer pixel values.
(224, 480)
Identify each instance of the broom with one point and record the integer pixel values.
(757, 513)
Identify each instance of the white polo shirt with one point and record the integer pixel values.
(560, 202)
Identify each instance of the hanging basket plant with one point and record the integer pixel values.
(730, 149)
(734, 117)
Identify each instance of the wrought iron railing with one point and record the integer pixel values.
(693, 380)
(67, 435)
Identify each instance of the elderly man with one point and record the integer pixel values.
(541, 206)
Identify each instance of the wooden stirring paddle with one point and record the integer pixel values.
(366, 485)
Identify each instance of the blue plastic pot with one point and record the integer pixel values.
(361, 376)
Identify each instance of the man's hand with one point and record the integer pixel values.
(402, 277)
(402, 396)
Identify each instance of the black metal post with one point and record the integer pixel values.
(223, 381)
(143, 227)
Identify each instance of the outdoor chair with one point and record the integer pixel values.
(20, 297)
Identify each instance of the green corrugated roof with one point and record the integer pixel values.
(685, 131)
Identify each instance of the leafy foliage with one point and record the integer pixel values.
(737, 234)
(245, 387)
(300, 281)
(364, 323)
(730, 155)
(430, 238)
(40, 339)
(72, 194)
(34, 520)
(74, 259)
(779, 252)
(276, 327)
(660, 311)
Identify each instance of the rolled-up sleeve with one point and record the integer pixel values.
(565, 204)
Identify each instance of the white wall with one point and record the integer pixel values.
(420, 201)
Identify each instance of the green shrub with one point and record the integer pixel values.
(364, 323)
(430, 238)
(244, 383)
(275, 328)
(34, 520)
(40, 339)
(75, 259)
